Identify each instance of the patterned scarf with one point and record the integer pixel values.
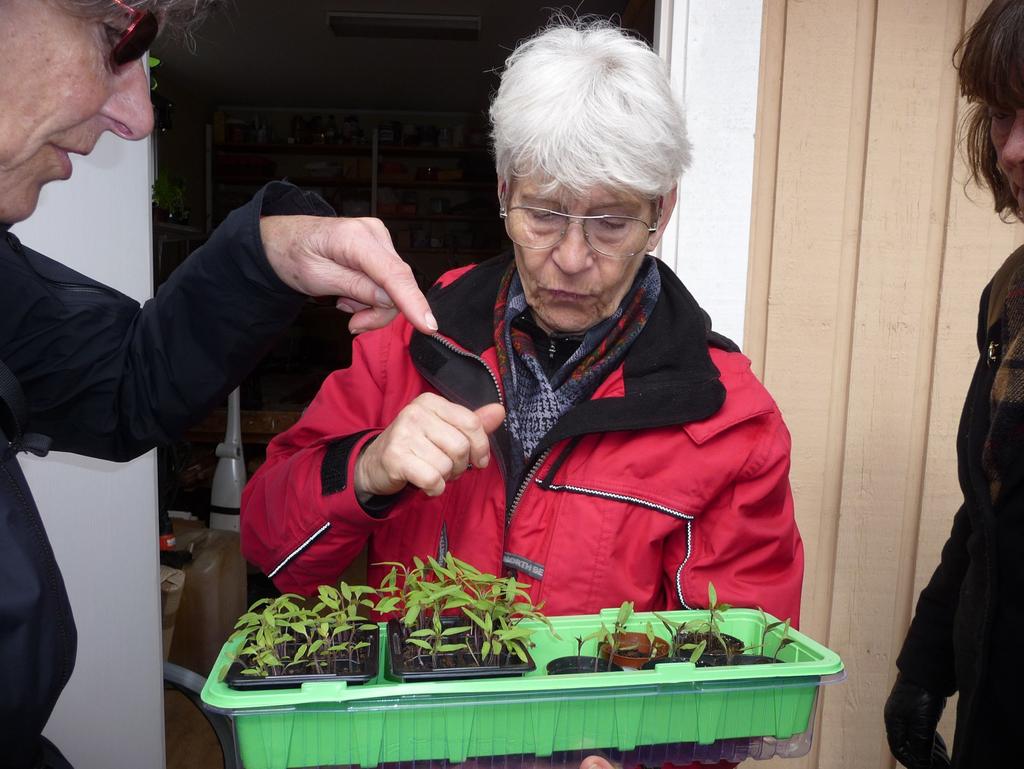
(535, 402)
(1005, 442)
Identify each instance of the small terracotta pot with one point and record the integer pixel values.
(634, 650)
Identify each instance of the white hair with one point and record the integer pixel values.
(582, 105)
(178, 17)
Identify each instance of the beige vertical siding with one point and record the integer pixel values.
(867, 259)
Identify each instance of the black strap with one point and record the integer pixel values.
(17, 407)
(12, 424)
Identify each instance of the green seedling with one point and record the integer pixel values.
(602, 637)
(281, 634)
(761, 647)
(491, 609)
(615, 642)
(649, 632)
(710, 627)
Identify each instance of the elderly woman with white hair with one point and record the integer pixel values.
(574, 421)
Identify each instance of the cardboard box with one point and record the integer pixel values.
(214, 596)
(172, 584)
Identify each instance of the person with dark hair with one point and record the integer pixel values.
(86, 366)
(966, 632)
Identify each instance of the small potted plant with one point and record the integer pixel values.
(761, 656)
(584, 663)
(703, 642)
(717, 644)
(169, 199)
(456, 622)
(284, 644)
(630, 649)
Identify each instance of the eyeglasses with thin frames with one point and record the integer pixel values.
(137, 37)
(611, 235)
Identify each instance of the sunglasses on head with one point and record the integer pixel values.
(137, 37)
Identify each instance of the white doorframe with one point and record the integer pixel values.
(713, 50)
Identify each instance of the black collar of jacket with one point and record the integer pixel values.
(668, 374)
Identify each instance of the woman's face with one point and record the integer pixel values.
(1007, 133)
(58, 94)
(570, 287)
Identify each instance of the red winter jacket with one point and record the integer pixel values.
(674, 473)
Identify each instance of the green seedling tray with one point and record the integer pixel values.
(384, 721)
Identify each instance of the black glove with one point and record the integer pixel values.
(911, 716)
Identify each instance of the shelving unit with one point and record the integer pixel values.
(436, 223)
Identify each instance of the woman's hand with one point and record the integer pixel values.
(431, 441)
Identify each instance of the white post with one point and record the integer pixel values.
(713, 51)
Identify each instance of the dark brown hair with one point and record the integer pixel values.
(990, 63)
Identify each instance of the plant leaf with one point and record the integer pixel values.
(698, 650)
(625, 610)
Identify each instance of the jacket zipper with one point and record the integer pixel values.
(638, 501)
(522, 489)
(466, 354)
(15, 244)
(79, 288)
(497, 388)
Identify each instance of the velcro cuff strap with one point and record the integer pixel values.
(334, 470)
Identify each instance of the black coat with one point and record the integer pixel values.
(969, 622)
(106, 378)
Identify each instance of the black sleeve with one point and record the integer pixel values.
(927, 656)
(107, 378)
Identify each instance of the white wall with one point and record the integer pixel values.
(713, 49)
(101, 517)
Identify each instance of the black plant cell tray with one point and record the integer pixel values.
(398, 671)
(366, 672)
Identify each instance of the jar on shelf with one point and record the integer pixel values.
(300, 132)
(350, 130)
(317, 130)
(236, 130)
(410, 135)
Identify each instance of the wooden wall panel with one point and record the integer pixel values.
(814, 160)
(905, 182)
(867, 258)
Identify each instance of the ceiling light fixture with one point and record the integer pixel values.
(409, 26)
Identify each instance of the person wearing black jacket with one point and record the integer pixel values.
(966, 632)
(84, 368)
